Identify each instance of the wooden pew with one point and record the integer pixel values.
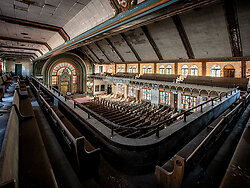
(173, 172)
(9, 156)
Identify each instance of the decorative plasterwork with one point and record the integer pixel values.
(122, 5)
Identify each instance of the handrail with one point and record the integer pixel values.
(157, 126)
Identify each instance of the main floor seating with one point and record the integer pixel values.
(134, 119)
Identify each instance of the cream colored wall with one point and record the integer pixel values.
(235, 64)
(27, 66)
(198, 64)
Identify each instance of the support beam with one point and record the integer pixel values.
(114, 48)
(130, 46)
(46, 27)
(102, 51)
(12, 52)
(233, 27)
(152, 42)
(26, 41)
(183, 35)
(204, 68)
(243, 69)
(21, 48)
(93, 54)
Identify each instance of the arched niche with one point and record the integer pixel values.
(229, 71)
(72, 59)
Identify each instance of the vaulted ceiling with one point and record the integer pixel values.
(151, 31)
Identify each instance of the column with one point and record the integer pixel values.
(204, 68)
(155, 96)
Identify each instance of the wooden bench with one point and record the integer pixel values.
(9, 156)
(35, 167)
(86, 156)
(173, 172)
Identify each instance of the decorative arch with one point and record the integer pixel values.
(161, 69)
(149, 69)
(215, 71)
(168, 69)
(194, 70)
(184, 70)
(75, 63)
(229, 71)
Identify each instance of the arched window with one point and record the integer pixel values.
(168, 69)
(110, 69)
(194, 70)
(215, 71)
(122, 69)
(131, 91)
(144, 69)
(161, 69)
(146, 94)
(165, 97)
(130, 69)
(188, 101)
(58, 69)
(150, 69)
(134, 69)
(229, 71)
(184, 70)
(119, 69)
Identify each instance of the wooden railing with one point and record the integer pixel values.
(156, 127)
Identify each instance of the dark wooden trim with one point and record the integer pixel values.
(126, 68)
(46, 27)
(191, 60)
(98, 46)
(233, 27)
(26, 41)
(152, 42)
(20, 48)
(139, 68)
(177, 21)
(204, 68)
(176, 68)
(243, 69)
(12, 52)
(93, 53)
(130, 46)
(114, 48)
(155, 67)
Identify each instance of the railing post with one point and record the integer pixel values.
(185, 117)
(201, 108)
(58, 93)
(226, 94)
(220, 97)
(157, 131)
(65, 98)
(74, 104)
(88, 116)
(212, 102)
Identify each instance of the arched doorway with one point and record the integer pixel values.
(229, 71)
(75, 66)
(64, 76)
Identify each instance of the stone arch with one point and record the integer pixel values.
(195, 91)
(229, 70)
(173, 88)
(213, 94)
(180, 89)
(187, 90)
(204, 92)
(166, 87)
(71, 58)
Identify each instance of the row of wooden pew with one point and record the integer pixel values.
(5, 81)
(132, 116)
(85, 156)
(185, 167)
(227, 82)
(24, 161)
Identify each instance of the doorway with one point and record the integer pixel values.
(229, 71)
(18, 69)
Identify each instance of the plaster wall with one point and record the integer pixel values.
(27, 66)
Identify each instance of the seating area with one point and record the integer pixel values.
(198, 152)
(227, 82)
(85, 155)
(5, 81)
(160, 77)
(23, 147)
(134, 119)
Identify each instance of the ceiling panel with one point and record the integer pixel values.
(122, 48)
(141, 44)
(207, 32)
(244, 18)
(98, 52)
(167, 39)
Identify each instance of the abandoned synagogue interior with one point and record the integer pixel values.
(124, 93)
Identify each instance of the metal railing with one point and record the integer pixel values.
(156, 126)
